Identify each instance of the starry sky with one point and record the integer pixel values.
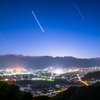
(50, 27)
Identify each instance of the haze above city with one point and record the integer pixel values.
(50, 27)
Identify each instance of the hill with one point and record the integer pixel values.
(92, 76)
(8, 61)
(80, 93)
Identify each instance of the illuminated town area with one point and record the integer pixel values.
(50, 81)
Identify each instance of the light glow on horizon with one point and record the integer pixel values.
(58, 71)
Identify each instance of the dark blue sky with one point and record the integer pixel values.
(71, 27)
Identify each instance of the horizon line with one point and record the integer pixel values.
(49, 56)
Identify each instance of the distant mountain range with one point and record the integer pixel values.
(10, 61)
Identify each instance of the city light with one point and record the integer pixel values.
(6, 79)
(58, 71)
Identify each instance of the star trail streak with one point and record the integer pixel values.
(4, 39)
(79, 11)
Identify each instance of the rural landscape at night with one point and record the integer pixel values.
(49, 50)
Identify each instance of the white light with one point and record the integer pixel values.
(58, 71)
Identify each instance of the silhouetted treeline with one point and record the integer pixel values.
(12, 92)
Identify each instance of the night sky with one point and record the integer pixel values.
(50, 27)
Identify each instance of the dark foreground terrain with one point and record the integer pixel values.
(80, 93)
(12, 92)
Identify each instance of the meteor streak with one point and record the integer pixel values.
(79, 11)
(4, 39)
(72, 3)
(37, 21)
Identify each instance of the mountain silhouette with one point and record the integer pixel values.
(11, 61)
